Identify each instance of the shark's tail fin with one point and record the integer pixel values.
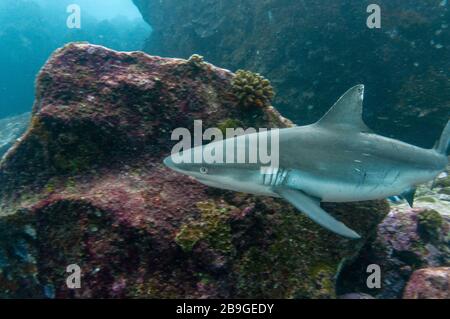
(443, 143)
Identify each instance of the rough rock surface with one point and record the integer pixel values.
(429, 283)
(11, 128)
(407, 239)
(313, 51)
(86, 186)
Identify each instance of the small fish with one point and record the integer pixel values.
(328, 162)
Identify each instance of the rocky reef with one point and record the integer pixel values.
(314, 51)
(408, 241)
(430, 283)
(86, 185)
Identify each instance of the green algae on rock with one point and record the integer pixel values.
(443, 182)
(210, 226)
(287, 243)
(429, 225)
(86, 185)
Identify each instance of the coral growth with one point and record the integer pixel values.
(196, 60)
(429, 225)
(252, 89)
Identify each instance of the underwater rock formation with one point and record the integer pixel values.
(429, 283)
(86, 185)
(10, 130)
(408, 239)
(312, 51)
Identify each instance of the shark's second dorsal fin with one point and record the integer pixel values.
(346, 113)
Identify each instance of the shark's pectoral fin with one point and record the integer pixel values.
(311, 208)
(409, 196)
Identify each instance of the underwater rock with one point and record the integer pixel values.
(429, 283)
(407, 239)
(11, 128)
(86, 186)
(313, 51)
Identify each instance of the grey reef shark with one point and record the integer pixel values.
(337, 159)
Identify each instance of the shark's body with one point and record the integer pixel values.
(337, 159)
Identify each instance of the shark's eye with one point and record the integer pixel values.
(203, 170)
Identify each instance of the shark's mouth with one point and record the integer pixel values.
(218, 184)
(209, 182)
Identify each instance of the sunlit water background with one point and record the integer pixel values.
(30, 30)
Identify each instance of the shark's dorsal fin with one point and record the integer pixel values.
(346, 113)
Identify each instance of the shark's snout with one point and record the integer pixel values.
(168, 162)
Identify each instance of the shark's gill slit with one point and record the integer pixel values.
(275, 177)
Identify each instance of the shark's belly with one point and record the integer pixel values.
(350, 193)
(349, 188)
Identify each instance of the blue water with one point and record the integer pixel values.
(30, 30)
